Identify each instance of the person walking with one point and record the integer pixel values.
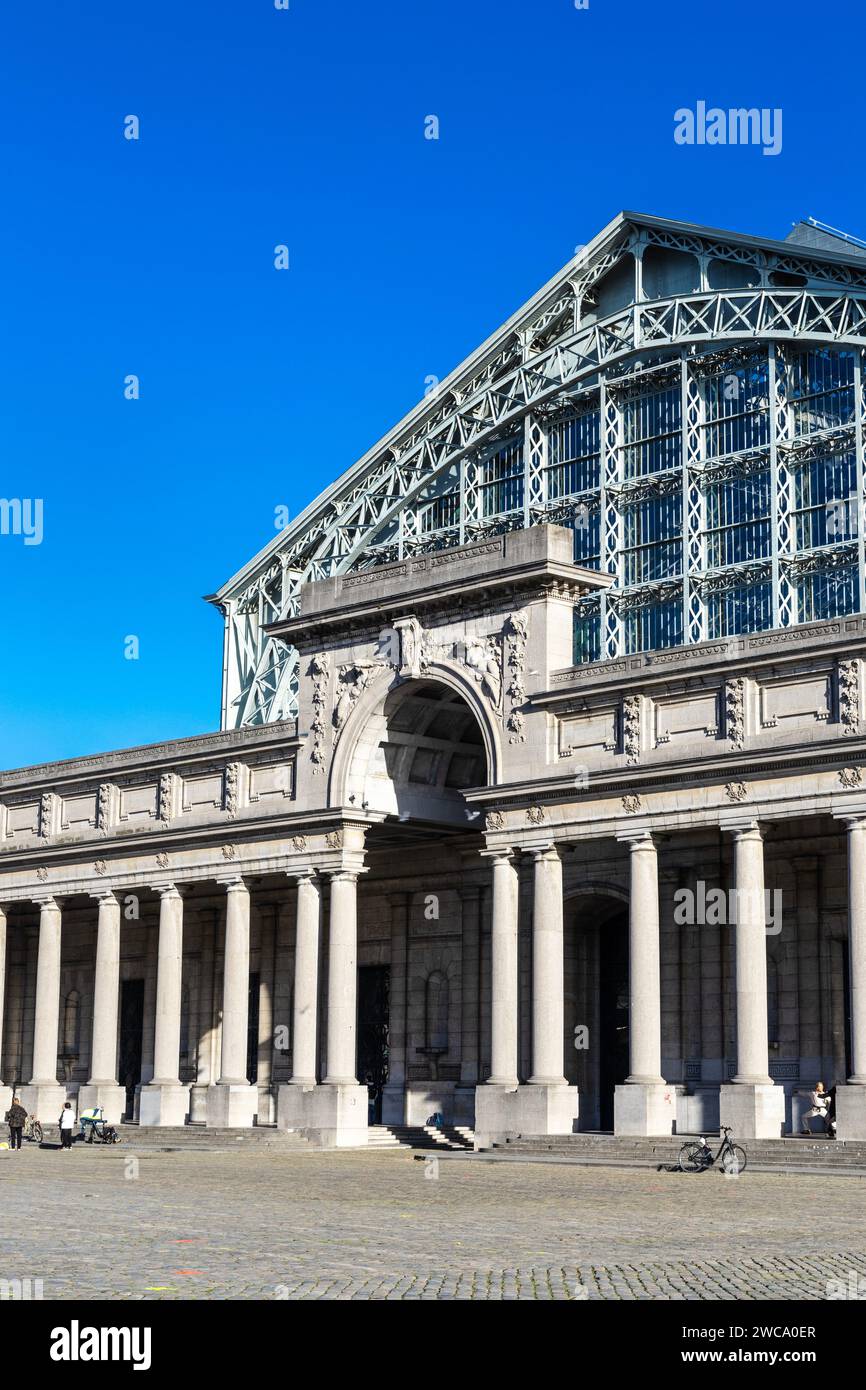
(820, 1101)
(15, 1117)
(67, 1123)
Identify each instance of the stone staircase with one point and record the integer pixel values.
(194, 1138)
(449, 1138)
(792, 1154)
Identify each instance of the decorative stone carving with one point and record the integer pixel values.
(735, 712)
(46, 814)
(535, 815)
(42, 874)
(299, 843)
(103, 806)
(231, 787)
(495, 820)
(515, 634)
(631, 804)
(736, 791)
(631, 707)
(334, 839)
(165, 807)
(228, 851)
(352, 680)
(484, 659)
(849, 696)
(100, 867)
(412, 655)
(320, 670)
(850, 776)
(162, 860)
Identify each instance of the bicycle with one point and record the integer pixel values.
(101, 1133)
(698, 1157)
(32, 1130)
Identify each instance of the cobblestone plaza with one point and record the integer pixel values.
(371, 1225)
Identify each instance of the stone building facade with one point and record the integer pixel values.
(467, 856)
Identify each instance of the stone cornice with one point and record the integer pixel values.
(176, 752)
(691, 665)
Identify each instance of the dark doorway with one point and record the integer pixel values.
(253, 1031)
(373, 994)
(131, 1032)
(613, 1012)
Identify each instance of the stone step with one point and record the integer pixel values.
(420, 1137)
(839, 1155)
(195, 1137)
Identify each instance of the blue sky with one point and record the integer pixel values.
(261, 126)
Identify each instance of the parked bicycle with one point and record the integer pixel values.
(32, 1130)
(697, 1156)
(100, 1133)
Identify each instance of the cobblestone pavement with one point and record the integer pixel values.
(371, 1226)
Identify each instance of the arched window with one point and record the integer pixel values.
(71, 1024)
(436, 1012)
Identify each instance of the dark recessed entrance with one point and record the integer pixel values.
(613, 1012)
(373, 1009)
(131, 1032)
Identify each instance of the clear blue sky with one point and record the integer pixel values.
(306, 127)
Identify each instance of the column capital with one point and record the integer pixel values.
(498, 852)
(638, 839)
(230, 881)
(165, 890)
(548, 850)
(104, 895)
(854, 822)
(47, 900)
(743, 829)
(302, 873)
(344, 875)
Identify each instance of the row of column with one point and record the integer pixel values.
(644, 962)
(342, 978)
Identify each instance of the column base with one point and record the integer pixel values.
(231, 1106)
(644, 1108)
(752, 1111)
(851, 1112)
(44, 1100)
(501, 1111)
(165, 1104)
(108, 1094)
(329, 1116)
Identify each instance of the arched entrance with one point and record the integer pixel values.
(417, 749)
(410, 751)
(596, 969)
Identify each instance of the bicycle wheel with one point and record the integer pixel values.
(37, 1132)
(733, 1160)
(692, 1158)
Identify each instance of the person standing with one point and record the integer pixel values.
(15, 1117)
(67, 1122)
(819, 1099)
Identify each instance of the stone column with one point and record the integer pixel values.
(554, 1104)
(164, 1101)
(306, 992)
(644, 1104)
(44, 1097)
(503, 1002)
(548, 1008)
(751, 1105)
(851, 1099)
(102, 1087)
(342, 980)
(5, 1091)
(333, 1115)
(233, 1101)
(395, 1096)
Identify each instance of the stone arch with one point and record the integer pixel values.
(410, 746)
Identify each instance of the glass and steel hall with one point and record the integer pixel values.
(689, 401)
